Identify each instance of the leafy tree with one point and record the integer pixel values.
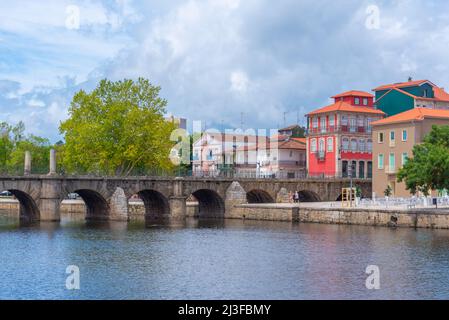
(116, 129)
(40, 154)
(429, 167)
(299, 132)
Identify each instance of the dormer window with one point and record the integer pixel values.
(365, 101)
(357, 101)
(425, 93)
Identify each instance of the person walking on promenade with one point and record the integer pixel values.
(296, 197)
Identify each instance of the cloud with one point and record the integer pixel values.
(216, 59)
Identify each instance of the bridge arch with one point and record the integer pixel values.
(97, 208)
(156, 204)
(210, 204)
(308, 196)
(259, 196)
(28, 207)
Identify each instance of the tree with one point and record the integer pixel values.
(116, 129)
(429, 167)
(40, 154)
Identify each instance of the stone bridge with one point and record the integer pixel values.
(106, 198)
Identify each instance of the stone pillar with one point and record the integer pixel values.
(27, 167)
(177, 201)
(52, 162)
(50, 200)
(118, 206)
(235, 195)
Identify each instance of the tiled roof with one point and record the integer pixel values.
(402, 85)
(354, 93)
(294, 126)
(301, 140)
(440, 94)
(343, 106)
(416, 114)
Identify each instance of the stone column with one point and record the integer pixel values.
(27, 167)
(52, 162)
(50, 200)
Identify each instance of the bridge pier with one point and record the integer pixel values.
(118, 206)
(178, 209)
(235, 195)
(50, 200)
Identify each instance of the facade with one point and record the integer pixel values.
(394, 138)
(399, 97)
(339, 139)
(284, 159)
(215, 152)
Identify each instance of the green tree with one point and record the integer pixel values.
(429, 167)
(116, 129)
(40, 154)
(388, 191)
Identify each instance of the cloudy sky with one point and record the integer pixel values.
(215, 59)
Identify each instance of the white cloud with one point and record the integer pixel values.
(239, 81)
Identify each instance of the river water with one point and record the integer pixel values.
(213, 259)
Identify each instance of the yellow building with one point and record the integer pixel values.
(393, 141)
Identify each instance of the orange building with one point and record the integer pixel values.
(394, 138)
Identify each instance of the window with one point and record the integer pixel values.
(380, 161)
(323, 124)
(314, 122)
(369, 146)
(365, 101)
(360, 121)
(330, 144)
(354, 145)
(392, 136)
(368, 125)
(392, 161)
(313, 145)
(344, 120)
(362, 145)
(331, 121)
(352, 124)
(425, 93)
(357, 100)
(291, 153)
(404, 135)
(380, 137)
(345, 144)
(404, 158)
(321, 146)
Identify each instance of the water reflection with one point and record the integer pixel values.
(219, 259)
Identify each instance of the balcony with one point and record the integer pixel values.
(365, 130)
(321, 155)
(390, 170)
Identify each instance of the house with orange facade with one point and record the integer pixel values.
(339, 136)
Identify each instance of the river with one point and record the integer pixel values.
(216, 259)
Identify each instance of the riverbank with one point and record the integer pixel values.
(323, 213)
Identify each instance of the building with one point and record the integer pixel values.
(215, 152)
(399, 97)
(283, 159)
(339, 136)
(180, 123)
(394, 138)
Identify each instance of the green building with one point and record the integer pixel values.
(399, 97)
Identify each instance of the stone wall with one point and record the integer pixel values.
(268, 212)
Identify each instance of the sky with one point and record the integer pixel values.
(227, 63)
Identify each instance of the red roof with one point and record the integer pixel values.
(353, 93)
(416, 114)
(343, 106)
(301, 140)
(440, 94)
(402, 85)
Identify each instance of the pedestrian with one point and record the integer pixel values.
(296, 197)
